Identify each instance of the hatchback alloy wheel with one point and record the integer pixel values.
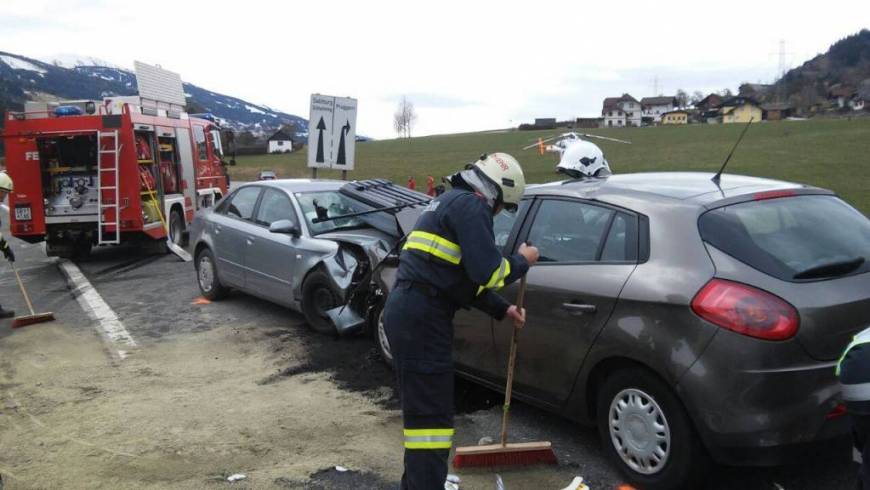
(639, 431)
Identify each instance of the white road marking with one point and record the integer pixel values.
(110, 326)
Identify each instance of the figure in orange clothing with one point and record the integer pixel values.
(430, 186)
(412, 184)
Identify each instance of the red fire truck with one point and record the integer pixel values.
(104, 172)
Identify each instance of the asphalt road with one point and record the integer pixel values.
(154, 295)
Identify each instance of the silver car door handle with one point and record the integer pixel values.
(250, 241)
(580, 308)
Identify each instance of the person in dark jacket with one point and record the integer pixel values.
(853, 369)
(449, 261)
(5, 188)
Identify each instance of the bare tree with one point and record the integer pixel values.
(682, 98)
(404, 118)
(697, 96)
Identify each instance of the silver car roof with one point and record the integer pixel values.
(663, 187)
(301, 185)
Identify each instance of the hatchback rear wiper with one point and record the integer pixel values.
(832, 269)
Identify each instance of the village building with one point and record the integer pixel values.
(707, 108)
(776, 111)
(679, 116)
(739, 109)
(653, 107)
(280, 142)
(624, 111)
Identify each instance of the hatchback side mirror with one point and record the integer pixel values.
(285, 226)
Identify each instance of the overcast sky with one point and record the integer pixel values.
(466, 65)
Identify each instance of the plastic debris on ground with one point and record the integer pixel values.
(450, 486)
(499, 483)
(577, 484)
(236, 477)
(454, 479)
(340, 469)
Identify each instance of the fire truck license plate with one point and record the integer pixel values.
(22, 214)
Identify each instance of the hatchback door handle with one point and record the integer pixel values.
(580, 308)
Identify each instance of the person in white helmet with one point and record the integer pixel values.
(583, 159)
(5, 188)
(449, 261)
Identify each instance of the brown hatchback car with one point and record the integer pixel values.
(687, 319)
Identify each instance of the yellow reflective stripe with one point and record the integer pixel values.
(428, 438)
(428, 432)
(496, 280)
(428, 445)
(435, 245)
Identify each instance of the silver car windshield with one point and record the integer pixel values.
(329, 204)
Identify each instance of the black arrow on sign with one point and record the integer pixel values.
(340, 160)
(320, 127)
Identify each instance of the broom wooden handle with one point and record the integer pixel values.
(23, 291)
(511, 361)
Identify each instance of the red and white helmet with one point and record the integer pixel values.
(583, 159)
(505, 172)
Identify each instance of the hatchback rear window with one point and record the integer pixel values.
(797, 238)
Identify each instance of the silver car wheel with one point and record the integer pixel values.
(206, 273)
(639, 431)
(382, 338)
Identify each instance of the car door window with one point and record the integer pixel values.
(621, 244)
(242, 203)
(274, 206)
(503, 224)
(569, 231)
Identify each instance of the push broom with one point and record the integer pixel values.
(504, 453)
(33, 317)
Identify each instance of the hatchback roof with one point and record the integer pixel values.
(690, 187)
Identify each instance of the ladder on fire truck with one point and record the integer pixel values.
(108, 230)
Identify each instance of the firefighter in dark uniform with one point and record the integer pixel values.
(5, 188)
(854, 373)
(449, 261)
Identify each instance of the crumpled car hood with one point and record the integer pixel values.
(375, 242)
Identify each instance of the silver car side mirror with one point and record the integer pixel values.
(285, 226)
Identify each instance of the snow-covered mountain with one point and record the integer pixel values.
(82, 77)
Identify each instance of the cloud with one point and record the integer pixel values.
(435, 101)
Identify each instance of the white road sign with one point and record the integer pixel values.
(331, 132)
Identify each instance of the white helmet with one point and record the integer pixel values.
(504, 171)
(583, 159)
(5, 182)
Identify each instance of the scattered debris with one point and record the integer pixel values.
(485, 441)
(340, 469)
(200, 301)
(453, 479)
(450, 486)
(577, 484)
(236, 477)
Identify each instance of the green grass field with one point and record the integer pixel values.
(834, 154)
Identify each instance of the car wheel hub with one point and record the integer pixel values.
(639, 431)
(206, 274)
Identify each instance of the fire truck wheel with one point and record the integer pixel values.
(318, 296)
(207, 276)
(176, 228)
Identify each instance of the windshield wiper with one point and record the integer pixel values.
(832, 269)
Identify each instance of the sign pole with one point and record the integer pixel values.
(314, 173)
(344, 175)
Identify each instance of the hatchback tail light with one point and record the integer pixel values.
(746, 310)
